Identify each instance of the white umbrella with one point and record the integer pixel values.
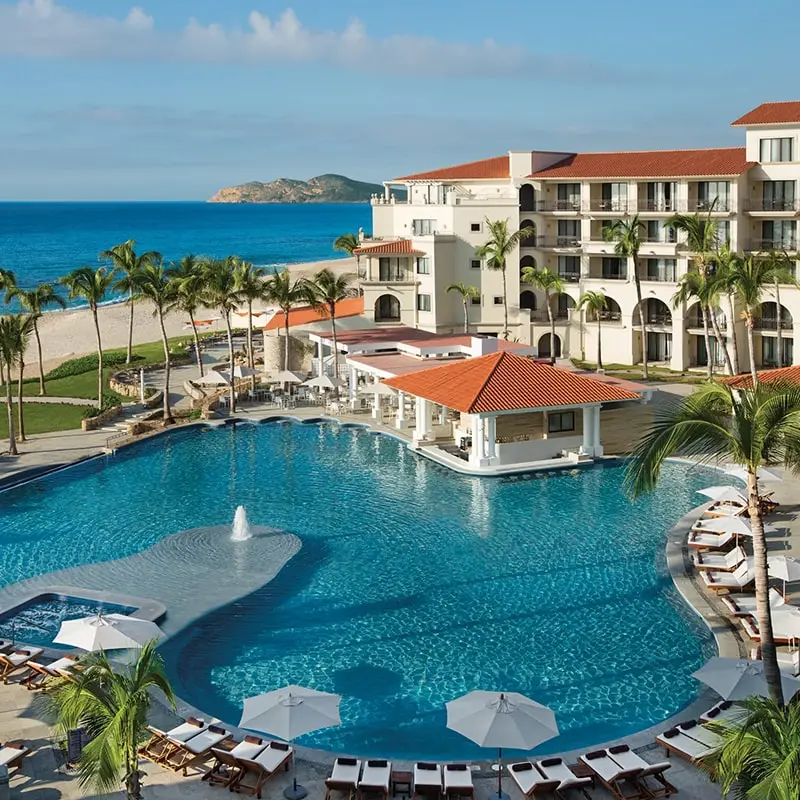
(724, 494)
(381, 389)
(738, 679)
(107, 632)
(785, 569)
(495, 719)
(725, 525)
(786, 622)
(286, 376)
(288, 713)
(212, 378)
(763, 474)
(323, 382)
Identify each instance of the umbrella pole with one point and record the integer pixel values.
(499, 773)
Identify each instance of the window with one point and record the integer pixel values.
(475, 227)
(423, 302)
(560, 421)
(498, 300)
(661, 269)
(778, 195)
(423, 227)
(614, 197)
(614, 269)
(423, 265)
(565, 305)
(569, 197)
(661, 196)
(778, 234)
(569, 268)
(776, 150)
(657, 231)
(475, 263)
(713, 193)
(392, 269)
(476, 301)
(569, 233)
(723, 232)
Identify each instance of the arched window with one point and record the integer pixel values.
(544, 348)
(526, 262)
(527, 300)
(611, 313)
(387, 309)
(527, 198)
(767, 317)
(657, 312)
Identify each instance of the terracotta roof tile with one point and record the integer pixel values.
(487, 168)
(772, 114)
(304, 315)
(783, 375)
(395, 247)
(505, 382)
(650, 164)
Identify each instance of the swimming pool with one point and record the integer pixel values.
(413, 586)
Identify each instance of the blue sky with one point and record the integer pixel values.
(172, 99)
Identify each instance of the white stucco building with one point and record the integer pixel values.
(422, 245)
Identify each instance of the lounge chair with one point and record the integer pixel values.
(742, 577)
(726, 509)
(722, 562)
(651, 776)
(709, 541)
(12, 753)
(555, 769)
(722, 712)
(42, 673)
(788, 662)
(700, 733)
(257, 771)
(161, 742)
(427, 780)
(6, 645)
(17, 660)
(375, 778)
(744, 605)
(343, 778)
(622, 783)
(194, 750)
(750, 628)
(531, 782)
(677, 742)
(226, 769)
(458, 781)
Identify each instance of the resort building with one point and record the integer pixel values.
(427, 242)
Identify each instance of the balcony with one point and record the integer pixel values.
(718, 206)
(773, 205)
(554, 242)
(610, 206)
(658, 206)
(646, 238)
(771, 324)
(659, 319)
(610, 316)
(667, 276)
(572, 205)
(569, 276)
(757, 245)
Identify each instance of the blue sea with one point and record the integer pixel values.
(43, 241)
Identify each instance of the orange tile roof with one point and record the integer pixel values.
(304, 315)
(650, 164)
(395, 247)
(781, 113)
(505, 382)
(487, 168)
(783, 375)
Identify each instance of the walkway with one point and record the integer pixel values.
(67, 401)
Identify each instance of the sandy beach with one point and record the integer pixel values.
(70, 333)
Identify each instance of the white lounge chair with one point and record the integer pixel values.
(725, 510)
(196, 748)
(458, 781)
(254, 773)
(427, 779)
(531, 782)
(249, 747)
(621, 783)
(344, 777)
(677, 742)
(42, 673)
(723, 562)
(161, 742)
(700, 734)
(274, 756)
(787, 662)
(651, 775)
(375, 777)
(17, 660)
(555, 769)
(226, 769)
(725, 711)
(709, 541)
(741, 577)
(12, 753)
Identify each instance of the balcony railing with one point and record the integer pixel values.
(610, 316)
(771, 324)
(697, 322)
(659, 277)
(659, 319)
(773, 204)
(658, 239)
(773, 244)
(569, 276)
(606, 275)
(723, 205)
(571, 204)
(658, 205)
(553, 242)
(620, 206)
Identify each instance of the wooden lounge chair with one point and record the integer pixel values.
(531, 782)
(427, 780)
(226, 768)
(17, 660)
(721, 562)
(41, 674)
(723, 712)
(12, 753)
(6, 645)
(257, 771)
(700, 734)
(651, 776)
(709, 541)
(556, 769)
(678, 743)
(458, 781)
(624, 784)
(375, 778)
(725, 509)
(741, 579)
(788, 662)
(194, 750)
(161, 742)
(343, 778)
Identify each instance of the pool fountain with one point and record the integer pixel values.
(241, 532)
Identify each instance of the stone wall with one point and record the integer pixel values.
(93, 423)
(621, 426)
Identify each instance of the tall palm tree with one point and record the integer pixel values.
(626, 234)
(758, 757)
(8, 281)
(92, 286)
(467, 293)
(220, 292)
(551, 284)
(498, 249)
(112, 707)
(346, 243)
(250, 286)
(782, 266)
(287, 293)
(35, 301)
(747, 427)
(325, 290)
(127, 264)
(14, 330)
(187, 275)
(22, 327)
(725, 260)
(595, 304)
(153, 283)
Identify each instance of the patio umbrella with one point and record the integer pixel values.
(763, 474)
(495, 719)
(738, 679)
(107, 632)
(212, 378)
(286, 376)
(288, 713)
(323, 382)
(786, 622)
(726, 525)
(380, 389)
(785, 569)
(724, 494)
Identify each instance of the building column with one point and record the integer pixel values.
(320, 359)
(423, 418)
(491, 437)
(377, 410)
(587, 448)
(353, 382)
(598, 448)
(442, 415)
(400, 422)
(477, 439)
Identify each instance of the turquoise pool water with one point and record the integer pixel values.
(413, 586)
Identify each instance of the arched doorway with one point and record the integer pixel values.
(387, 309)
(562, 305)
(611, 313)
(543, 346)
(530, 240)
(527, 198)
(656, 312)
(527, 300)
(526, 262)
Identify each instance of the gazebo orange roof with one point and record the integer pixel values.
(782, 375)
(304, 315)
(506, 382)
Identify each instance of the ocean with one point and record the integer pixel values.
(43, 241)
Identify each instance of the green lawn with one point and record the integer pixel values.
(44, 417)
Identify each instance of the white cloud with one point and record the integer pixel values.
(47, 29)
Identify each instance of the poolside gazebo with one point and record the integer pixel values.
(514, 412)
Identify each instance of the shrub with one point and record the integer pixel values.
(77, 366)
(91, 412)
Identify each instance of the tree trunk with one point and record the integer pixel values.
(752, 348)
(723, 345)
(196, 344)
(505, 305)
(251, 362)
(286, 343)
(332, 312)
(12, 438)
(734, 340)
(20, 415)
(99, 358)
(779, 324)
(707, 337)
(466, 316)
(551, 319)
(167, 416)
(133, 779)
(42, 389)
(642, 315)
(129, 357)
(772, 672)
(230, 359)
(599, 350)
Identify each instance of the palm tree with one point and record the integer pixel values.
(34, 301)
(747, 427)
(112, 707)
(92, 286)
(220, 292)
(702, 287)
(595, 304)
(467, 294)
(250, 286)
(551, 284)
(286, 294)
(8, 281)
(127, 264)
(14, 332)
(782, 267)
(325, 290)
(725, 260)
(153, 283)
(22, 327)
(346, 243)
(497, 250)
(626, 235)
(759, 753)
(187, 275)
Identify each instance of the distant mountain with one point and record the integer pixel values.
(322, 189)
